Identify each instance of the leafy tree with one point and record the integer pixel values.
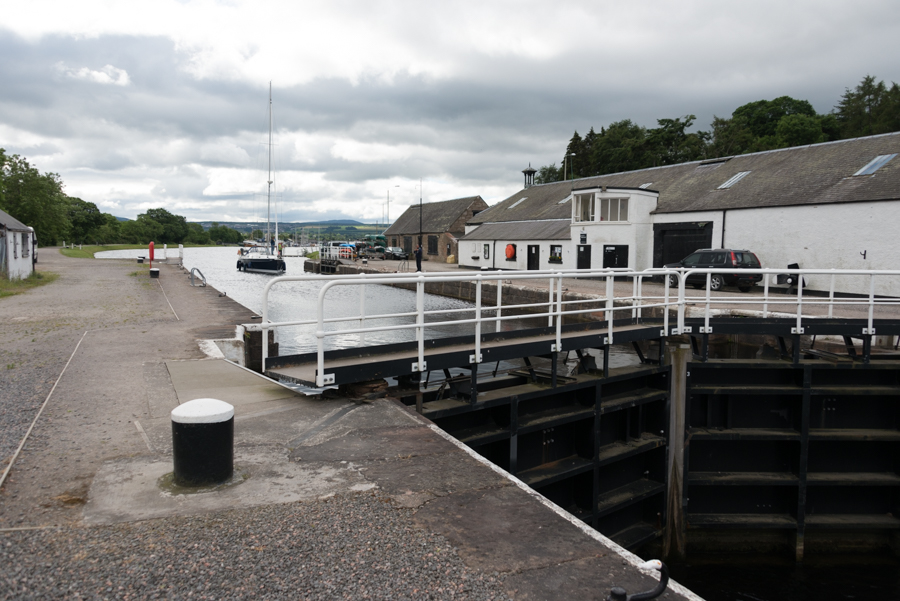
(620, 147)
(871, 108)
(670, 144)
(548, 174)
(225, 235)
(33, 198)
(257, 234)
(762, 117)
(798, 130)
(174, 227)
(84, 219)
(196, 234)
(107, 233)
(729, 137)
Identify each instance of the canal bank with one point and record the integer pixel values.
(339, 499)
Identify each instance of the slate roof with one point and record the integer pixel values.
(436, 216)
(523, 230)
(815, 174)
(11, 223)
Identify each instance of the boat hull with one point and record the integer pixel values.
(269, 265)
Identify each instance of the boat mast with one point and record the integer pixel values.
(269, 178)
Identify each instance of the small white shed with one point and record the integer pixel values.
(17, 248)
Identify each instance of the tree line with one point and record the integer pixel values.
(869, 109)
(37, 199)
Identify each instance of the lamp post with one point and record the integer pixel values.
(571, 154)
(388, 219)
(420, 211)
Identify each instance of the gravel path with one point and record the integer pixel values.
(354, 546)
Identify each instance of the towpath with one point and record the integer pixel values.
(332, 498)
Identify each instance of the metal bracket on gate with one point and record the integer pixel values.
(415, 366)
(476, 358)
(687, 329)
(797, 330)
(556, 348)
(869, 331)
(706, 330)
(325, 380)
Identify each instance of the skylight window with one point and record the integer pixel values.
(735, 179)
(875, 164)
(515, 204)
(645, 186)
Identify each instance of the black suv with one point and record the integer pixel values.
(719, 258)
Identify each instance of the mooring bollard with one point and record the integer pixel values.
(203, 442)
(154, 273)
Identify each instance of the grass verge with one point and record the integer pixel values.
(87, 251)
(37, 278)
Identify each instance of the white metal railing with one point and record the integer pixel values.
(599, 297)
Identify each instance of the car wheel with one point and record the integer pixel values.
(745, 288)
(673, 280)
(716, 282)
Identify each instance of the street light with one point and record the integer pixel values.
(389, 205)
(571, 154)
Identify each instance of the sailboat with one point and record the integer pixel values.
(265, 258)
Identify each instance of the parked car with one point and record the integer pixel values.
(395, 252)
(720, 258)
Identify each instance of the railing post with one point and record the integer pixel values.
(765, 295)
(610, 294)
(550, 304)
(666, 305)
(831, 296)
(871, 329)
(559, 309)
(499, 304)
(681, 281)
(800, 305)
(478, 285)
(362, 309)
(420, 320)
(634, 297)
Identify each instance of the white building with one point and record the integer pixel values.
(823, 206)
(17, 248)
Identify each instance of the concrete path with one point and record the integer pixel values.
(87, 498)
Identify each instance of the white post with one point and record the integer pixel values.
(499, 303)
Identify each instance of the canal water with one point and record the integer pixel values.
(297, 301)
(715, 578)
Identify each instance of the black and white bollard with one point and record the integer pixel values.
(154, 272)
(203, 442)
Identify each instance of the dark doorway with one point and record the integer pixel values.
(584, 257)
(407, 244)
(674, 241)
(615, 256)
(534, 256)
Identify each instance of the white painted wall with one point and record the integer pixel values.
(18, 254)
(636, 233)
(829, 236)
(498, 260)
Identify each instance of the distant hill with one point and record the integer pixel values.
(122, 218)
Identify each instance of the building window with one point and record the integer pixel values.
(584, 207)
(487, 251)
(613, 209)
(432, 245)
(24, 245)
(555, 253)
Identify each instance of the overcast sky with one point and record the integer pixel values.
(146, 104)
